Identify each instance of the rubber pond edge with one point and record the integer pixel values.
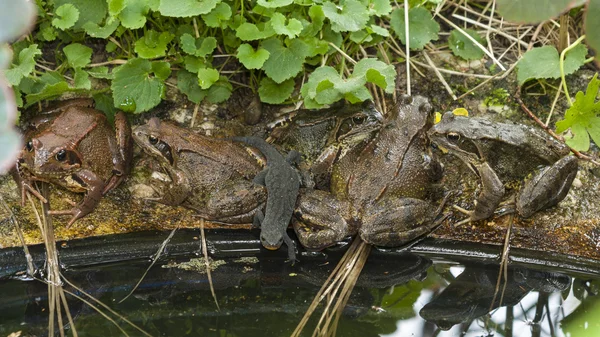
(233, 244)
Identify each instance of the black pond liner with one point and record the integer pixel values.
(259, 292)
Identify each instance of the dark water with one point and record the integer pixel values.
(398, 294)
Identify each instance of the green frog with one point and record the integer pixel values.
(73, 145)
(210, 175)
(379, 187)
(501, 153)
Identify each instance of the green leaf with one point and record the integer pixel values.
(250, 32)
(135, 85)
(218, 16)
(153, 44)
(186, 8)
(100, 72)
(82, 80)
(101, 32)
(49, 91)
(206, 77)
(315, 12)
(252, 59)
(47, 32)
(532, 11)
(592, 27)
(65, 17)
(161, 69)
(133, 16)
(24, 66)
(89, 11)
(198, 47)
(379, 30)
(291, 29)
(320, 87)
(188, 84)
(78, 55)
(275, 93)
(193, 63)
(463, 47)
(583, 118)
(381, 74)
(274, 3)
(348, 16)
(422, 27)
(220, 91)
(115, 7)
(284, 62)
(543, 62)
(379, 7)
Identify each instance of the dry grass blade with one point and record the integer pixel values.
(30, 267)
(155, 258)
(338, 288)
(207, 263)
(503, 271)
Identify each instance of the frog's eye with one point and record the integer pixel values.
(153, 140)
(61, 155)
(453, 136)
(29, 146)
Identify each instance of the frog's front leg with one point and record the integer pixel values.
(393, 222)
(94, 187)
(548, 187)
(178, 190)
(492, 191)
(320, 220)
(122, 151)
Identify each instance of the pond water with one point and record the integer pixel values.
(398, 294)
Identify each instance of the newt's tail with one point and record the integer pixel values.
(267, 149)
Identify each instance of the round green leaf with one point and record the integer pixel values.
(65, 16)
(421, 26)
(89, 11)
(291, 29)
(134, 84)
(220, 14)
(463, 47)
(153, 44)
(133, 16)
(275, 93)
(78, 55)
(206, 77)
(284, 62)
(186, 8)
(187, 82)
(252, 59)
(274, 3)
(348, 16)
(543, 62)
(532, 11)
(220, 91)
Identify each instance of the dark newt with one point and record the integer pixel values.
(282, 183)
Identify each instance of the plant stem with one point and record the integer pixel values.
(561, 64)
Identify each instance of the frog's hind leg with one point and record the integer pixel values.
(548, 187)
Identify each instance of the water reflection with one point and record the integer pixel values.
(396, 295)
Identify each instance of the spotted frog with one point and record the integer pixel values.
(210, 175)
(501, 153)
(378, 187)
(74, 146)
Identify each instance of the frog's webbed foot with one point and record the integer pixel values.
(95, 187)
(548, 187)
(395, 222)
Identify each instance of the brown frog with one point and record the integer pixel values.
(378, 187)
(324, 135)
(503, 153)
(212, 176)
(73, 145)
